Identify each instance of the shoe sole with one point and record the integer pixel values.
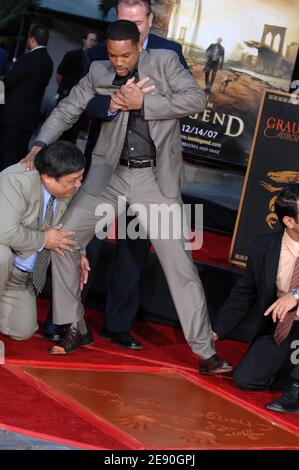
(57, 353)
(282, 411)
(118, 344)
(125, 347)
(222, 370)
(87, 344)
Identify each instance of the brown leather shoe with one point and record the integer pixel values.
(214, 365)
(72, 340)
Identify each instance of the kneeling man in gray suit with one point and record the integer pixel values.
(138, 157)
(31, 205)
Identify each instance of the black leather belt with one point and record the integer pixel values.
(137, 163)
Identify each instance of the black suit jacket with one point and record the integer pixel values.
(72, 69)
(255, 291)
(99, 52)
(25, 85)
(157, 42)
(210, 51)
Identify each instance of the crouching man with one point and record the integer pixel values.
(31, 205)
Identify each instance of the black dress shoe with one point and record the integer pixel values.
(288, 402)
(72, 340)
(123, 339)
(214, 365)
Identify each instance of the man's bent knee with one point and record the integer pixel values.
(22, 337)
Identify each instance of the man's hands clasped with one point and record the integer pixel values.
(130, 96)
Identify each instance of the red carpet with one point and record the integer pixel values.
(26, 406)
(214, 250)
(34, 408)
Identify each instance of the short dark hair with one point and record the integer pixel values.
(132, 3)
(59, 159)
(121, 30)
(286, 202)
(40, 33)
(85, 35)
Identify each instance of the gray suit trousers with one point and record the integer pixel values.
(18, 317)
(85, 217)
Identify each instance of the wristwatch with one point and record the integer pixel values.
(295, 294)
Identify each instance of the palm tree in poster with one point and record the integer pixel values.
(168, 19)
(164, 9)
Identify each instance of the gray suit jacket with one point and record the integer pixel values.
(176, 95)
(21, 206)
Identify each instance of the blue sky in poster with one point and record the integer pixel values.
(87, 8)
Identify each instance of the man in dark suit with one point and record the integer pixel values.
(215, 59)
(71, 69)
(139, 12)
(4, 62)
(123, 298)
(266, 290)
(25, 85)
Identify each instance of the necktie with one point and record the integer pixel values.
(283, 328)
(120, 81)
(43, 257)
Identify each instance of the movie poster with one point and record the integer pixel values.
(259, 43)
(273, 164)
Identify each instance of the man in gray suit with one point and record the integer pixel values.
(24, 198)
(138, 157)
